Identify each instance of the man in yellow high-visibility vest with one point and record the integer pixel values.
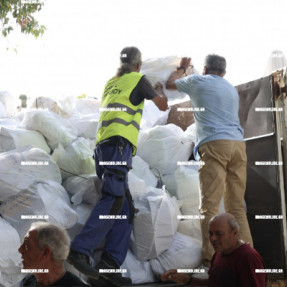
(118, 129)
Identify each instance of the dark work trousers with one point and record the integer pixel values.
(115, 200)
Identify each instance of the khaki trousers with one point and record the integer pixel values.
(224, 174)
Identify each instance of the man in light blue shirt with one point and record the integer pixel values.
(220, 143)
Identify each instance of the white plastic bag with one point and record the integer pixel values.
(8, 102)
(24, 203)
(76, 159)
(162, 147)
(138, 271)
(44, 103)
(187, 181)
(57, 203)
(155, 224)
(10, 258)
(53, 127)
(184, 253)
(24, 166)
(141, 170)
(190, 227)
(85, 188)
(160, 69)
(17, 138)
(86, 125)
(152, 116)
(137, 186)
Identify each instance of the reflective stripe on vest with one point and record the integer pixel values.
(119, 121)
(119, 116)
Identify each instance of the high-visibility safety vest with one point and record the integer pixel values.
(119, 116)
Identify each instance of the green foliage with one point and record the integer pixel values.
(20, 12)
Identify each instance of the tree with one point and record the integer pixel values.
(20, 12)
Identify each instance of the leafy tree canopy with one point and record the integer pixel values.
(20, 12)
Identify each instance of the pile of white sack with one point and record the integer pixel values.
(47, 172)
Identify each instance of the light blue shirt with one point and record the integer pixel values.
(216, 103)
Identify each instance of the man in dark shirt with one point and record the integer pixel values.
(234, 262)
(44, 250)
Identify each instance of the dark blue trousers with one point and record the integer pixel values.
(114, 201)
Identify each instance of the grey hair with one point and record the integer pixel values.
(129, 57)
(215, 63)
(53, 236)
(233, 224)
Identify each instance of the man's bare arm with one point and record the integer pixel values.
(160, 100)
(184, 63)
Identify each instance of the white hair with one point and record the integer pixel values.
(55, 237)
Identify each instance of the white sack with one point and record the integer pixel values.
(8, 102)
(187, 181)
(53, 105)
(137, 186)
(76, 159)
(190, 227)
(2, 111)
(160, 69)
(163, 146)
(141, 170)
(53, 127)
(184, 253)
(10, 258)
(87, 106)
(22, 167)
(86, 125)
(139, 271)
(169, 181)
(83, 210)
(85, 188)
(155, 224)
(57, 203)
(26, 202)
(153, 116)
(11, 138)
(10, 122)
(190, 133)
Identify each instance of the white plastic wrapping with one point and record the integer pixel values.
(24, 203)
(2, 111)
(163, 146)
(139, 271)
(11, 138)
(137, 186)
(141, 170)
(155, 225)
(22, 167)
(153, 116)
(76, 159)
(190, 227)
(10, 258)
(57, 203)
(184, 253)
(63, 106)
(53, 127)
(187, 181)
(83, 189)
(170, 183)
(159, 70)
(190, 133)
(8, 102)
(86, 125)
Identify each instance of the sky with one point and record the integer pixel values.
(80, 49)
